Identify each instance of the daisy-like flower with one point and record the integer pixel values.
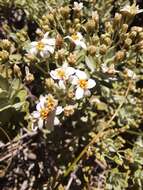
(82, 83)
(41, 112)
(77, 39)
(43, 47)
(131, 10)
(62, 74)
(46, 109)
(78, 6)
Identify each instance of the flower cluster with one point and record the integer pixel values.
(46, 111)
(77, 78)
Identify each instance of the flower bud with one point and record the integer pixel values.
(117, 18)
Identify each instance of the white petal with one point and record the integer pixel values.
(33, 51)
(80, 37)
(81, 44)
(56, 121)
(50, 41)
(36, 114)
(74, 80)
(79, 93)
(33, 44)
(81, 74)
(69, 71)
(49, 48)
(40, 123)
(61, 84)
(39, 106)
(59, 110)
(91, 83)
(54, 74)
(42, 99)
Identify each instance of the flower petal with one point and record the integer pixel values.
(54, 75)
(81, 74)
(91, 83)
(81, 44)
(50, 41)
(69, 71)
(59, 110)
(40, 123)
(61, 84)
(36, 114)
(79, 93)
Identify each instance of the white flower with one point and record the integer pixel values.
(77, 39)
(41, 113)
(62, 74)
(83, 84)
(77, 6)
(131, 10)
(43, 47)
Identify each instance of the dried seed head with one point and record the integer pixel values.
(137, 29)
(65, 11)
(49, 82)
(69, 110)
(17, 70)
(90, 25)
(4, 55)
(72, 59)
(133, 34)
(29, 78)
(124, 28)
(120, 55)
(117, 18)
(5, 44)
(128, 42)
(59, 41)
(103, 49)
(60, 55)
(92, 50)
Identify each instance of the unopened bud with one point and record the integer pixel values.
(117, 18)
(124, 28)
(6, 44)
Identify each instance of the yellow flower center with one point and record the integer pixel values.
(75, 37)
(44, 113)
(61, 73)
(83, 83)
(40, 46)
